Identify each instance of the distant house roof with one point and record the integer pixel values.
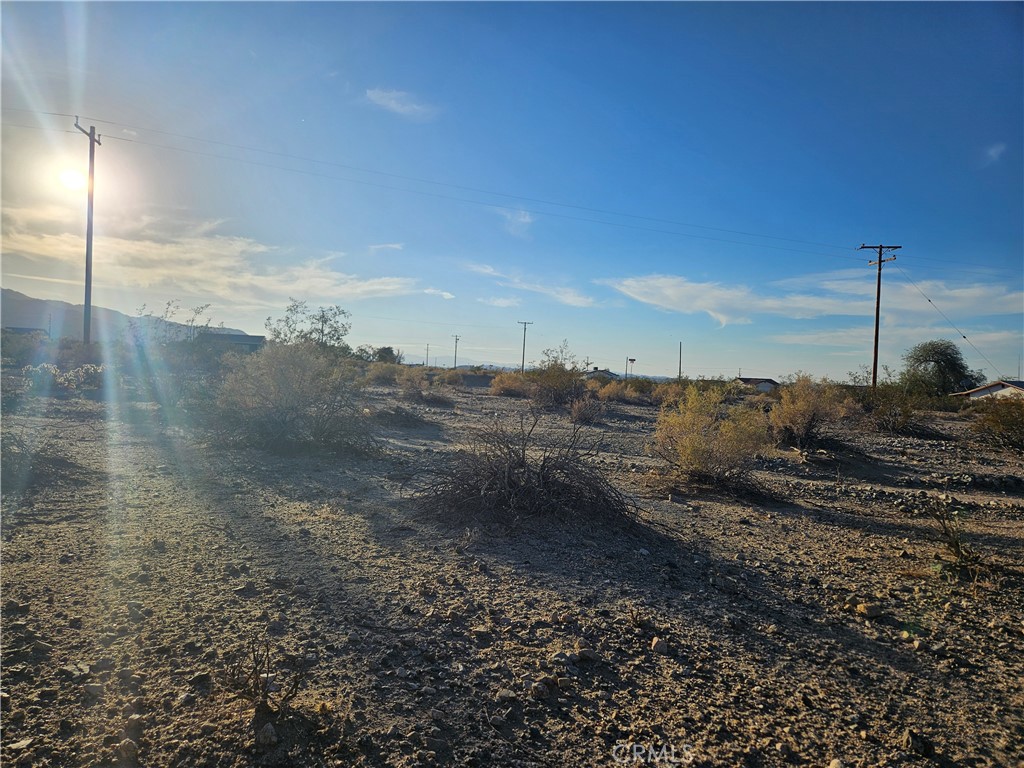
(994, 388)
(599, 373)
(242, 340)
(754, 382)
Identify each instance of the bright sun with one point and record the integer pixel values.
(72, 180)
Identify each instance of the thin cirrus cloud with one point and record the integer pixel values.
(563, 295)
(386, 247)
(994, 152)
(517, 221)
(833, 294)
(402, 103)
(498, 301)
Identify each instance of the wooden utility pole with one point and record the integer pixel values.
(455, 363)
(680, 377)
(878, 301)
(524, 323)
(94, 139)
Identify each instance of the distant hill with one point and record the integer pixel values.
(62, 319)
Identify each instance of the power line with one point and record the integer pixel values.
(448, 185)
(951, 325)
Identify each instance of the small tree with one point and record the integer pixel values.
(326, 327)
(937, 368)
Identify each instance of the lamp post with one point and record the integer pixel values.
(629, 362)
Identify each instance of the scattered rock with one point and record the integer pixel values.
(911, 741)
(659, 645)
(870, 610)
(267, 736)
(93, 689)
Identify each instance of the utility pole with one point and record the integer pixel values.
(427, 363)
(455, 363)
(524, 323)
(878, 300)
(94, 139)
(680, 377)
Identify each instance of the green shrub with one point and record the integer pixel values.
(555, 385)
(705, 439)
(891, 408)
(806, 408)
(292, 396)
(383, 373)
(1000, 420)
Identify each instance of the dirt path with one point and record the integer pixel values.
(135, 577)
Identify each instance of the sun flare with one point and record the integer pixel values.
(72, 179)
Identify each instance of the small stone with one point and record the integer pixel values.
(436, 714)
(504, 695)
(589, 654)
(93, 689)
(836, 763)
(659, 645)
(559, 659)
(564, 683)
(20, 746)
(870, 610)
(539, 690)
(911, 741)
(435, 745)
(128, 751)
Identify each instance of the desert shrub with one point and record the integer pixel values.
(705, 439)
(641, 385)
(555, 385)
(613, 391)
(1000, 420)
(383, 373)
(945, 511)
(292, 396)
(593, 386)
(510, 385)
(806, 408)
(451, 377)
(411, 379)
(509, 474)
(668, 393)
(48, 379)
(586, 410)
(890, 408)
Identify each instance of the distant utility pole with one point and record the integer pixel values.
(680, 361)
(878, 300)
(94, 139)
(455, 363)
(524, 323)
(427, 363)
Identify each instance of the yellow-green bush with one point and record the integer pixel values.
(1000, 420)
(451, 377)
(668, 393)
(705, 439)
(383, 373)
(805, 408)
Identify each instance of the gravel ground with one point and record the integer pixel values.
(813, 621)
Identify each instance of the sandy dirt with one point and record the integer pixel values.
(816, 622)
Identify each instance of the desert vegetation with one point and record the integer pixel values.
(317, 555)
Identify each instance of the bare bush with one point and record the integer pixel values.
(946, 513)
(292, 396)
(1000, 421)
(586, 410)
(451, 377)
(254, 673)
(383, 373)
(705, 439)
(508, 474)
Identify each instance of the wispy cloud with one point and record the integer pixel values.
(835, 294)
(387, 247)
(402, 103)
(994, 152)
(194, 260)
(437, 292)
(563, 295)
(517, 222)
(496, 301)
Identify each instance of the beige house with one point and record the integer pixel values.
(1008, 388)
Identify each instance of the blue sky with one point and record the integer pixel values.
(624, 176)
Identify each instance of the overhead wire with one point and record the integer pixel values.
(951, 324)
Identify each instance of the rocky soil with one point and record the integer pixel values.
(814, 622)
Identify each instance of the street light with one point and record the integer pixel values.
(629, 362)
